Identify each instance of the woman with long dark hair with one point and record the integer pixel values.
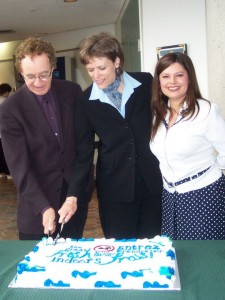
(188, 138)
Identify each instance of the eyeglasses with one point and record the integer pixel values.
(44, 76)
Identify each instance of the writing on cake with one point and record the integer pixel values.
(99, 264)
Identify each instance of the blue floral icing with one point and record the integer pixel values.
(27, 258)
(126, 240)
(167, 271)
(22, 267)
(133, 274)
(155, 284)
(171, 254)
(36, 248)
(84, 274)
(86, 240)
(106, 284)
(60, 283)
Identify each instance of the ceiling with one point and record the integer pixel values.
(42, 17)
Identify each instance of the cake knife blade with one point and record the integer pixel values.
(59, 233)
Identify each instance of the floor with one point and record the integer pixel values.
(8, 227)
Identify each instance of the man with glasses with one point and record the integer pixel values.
(38, 137)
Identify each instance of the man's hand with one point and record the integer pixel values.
(68, 209)
(48, 221)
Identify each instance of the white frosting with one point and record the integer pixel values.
(99, 264)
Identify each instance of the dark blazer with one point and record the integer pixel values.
(37, 162)
(123, 146)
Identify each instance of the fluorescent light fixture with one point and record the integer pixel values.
(69, 1)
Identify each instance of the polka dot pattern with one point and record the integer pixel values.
(195, 215)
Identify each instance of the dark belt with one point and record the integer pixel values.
(171, 184)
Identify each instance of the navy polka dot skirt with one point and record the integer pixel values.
(195, 215)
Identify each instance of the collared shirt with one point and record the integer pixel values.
(129, 85)
(47, 105)
(191, 146)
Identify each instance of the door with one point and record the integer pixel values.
(130, 36)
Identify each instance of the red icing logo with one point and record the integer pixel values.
(104, 248)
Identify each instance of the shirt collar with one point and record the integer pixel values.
(48, 96)
(129, 85)
(183, 107)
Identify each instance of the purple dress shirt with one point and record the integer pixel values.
(47, 105)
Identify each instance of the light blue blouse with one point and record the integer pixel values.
(129, 85)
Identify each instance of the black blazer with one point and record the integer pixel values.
(123, 146)
(37, 162)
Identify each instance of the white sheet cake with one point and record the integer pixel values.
(100, 264)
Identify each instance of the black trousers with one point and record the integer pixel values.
(72, 229)
(141, 218)
(3, 165)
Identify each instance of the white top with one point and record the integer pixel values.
(191, 146)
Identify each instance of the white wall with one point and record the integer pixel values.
(71, 40)
(216, 50)
(6, 63)
(198, 23)
(165, 23)
(65, 44)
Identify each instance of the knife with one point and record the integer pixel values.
(59, 233)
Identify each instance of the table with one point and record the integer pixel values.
(201, 267)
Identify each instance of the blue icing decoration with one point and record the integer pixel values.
(86, 240)
(167, 271)
(155, 284)
(134, 274)
(171, 254)
(22, 267)
(60, 283)
(126, 240)
(171, 271)
(84, 274)
(36, 248)
(27, 258)
(107, 284)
